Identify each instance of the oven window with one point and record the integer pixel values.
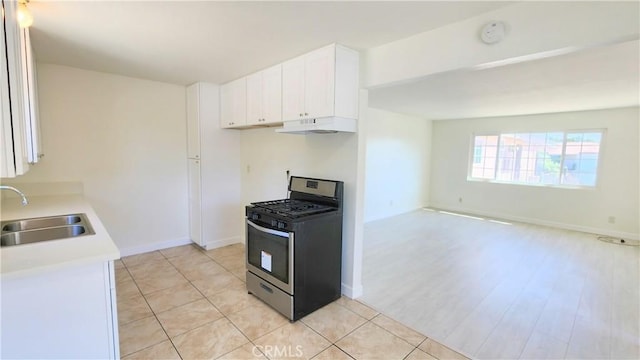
(269, 253)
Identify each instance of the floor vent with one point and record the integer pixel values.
(619, 241)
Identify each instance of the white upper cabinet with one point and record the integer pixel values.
(293, 89)
(272, 95)
(264, 96)
(233, 104)
(254, 99)
(321, 83)
(193, 122)
(19, 129)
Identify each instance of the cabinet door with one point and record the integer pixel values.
(293, 89)
(319, 87)
(195, 201)
(7, 169)
(254, 99)
(193, 123)
(272, 95)
(234, 103)
(16, 123)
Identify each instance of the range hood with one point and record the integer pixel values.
(328, 125)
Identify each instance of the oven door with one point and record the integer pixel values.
(270, 255)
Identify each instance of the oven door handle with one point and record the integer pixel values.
(268, 231)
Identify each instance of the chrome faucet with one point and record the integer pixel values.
(24, 198)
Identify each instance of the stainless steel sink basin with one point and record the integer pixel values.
(46, 234)
(26, 231)
(39, 223)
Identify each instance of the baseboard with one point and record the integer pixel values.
(351, 292)
(534, 221)
(223, 242)
(141, 249)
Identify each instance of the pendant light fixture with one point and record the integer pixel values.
(25, 19)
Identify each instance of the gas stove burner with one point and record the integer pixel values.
(292, 207)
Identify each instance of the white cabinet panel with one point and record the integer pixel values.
(322, 83)
(319, 84)
(193, 125)
(215, 208)
(19, 111)
(264, 96)
(234, 104)
(254, 99)
(272, 95)
(195, 202)
(62, 314)
(293, 89)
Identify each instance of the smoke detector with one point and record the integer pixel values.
(493, 32)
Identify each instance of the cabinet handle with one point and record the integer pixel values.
(300, 114)
(306, 114)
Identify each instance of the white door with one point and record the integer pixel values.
(195, 201)
(193, 121)
(254, 99)
(234, 103)
(320, 82)
(293, 89)
(7, 169)
(272, 95)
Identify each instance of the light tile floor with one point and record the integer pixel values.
(187, 303)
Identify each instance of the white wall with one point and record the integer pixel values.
(397, 161)
(125, 140)
(266, 156)
(617, 192)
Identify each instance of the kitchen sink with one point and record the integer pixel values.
(26, 231)
(39, 223)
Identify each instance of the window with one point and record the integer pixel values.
(551, 158)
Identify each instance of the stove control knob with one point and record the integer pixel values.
(255, 216)
(282, 225)
(274, 223)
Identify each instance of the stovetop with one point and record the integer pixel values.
(292, 208)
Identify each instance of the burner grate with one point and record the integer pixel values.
(293, 208)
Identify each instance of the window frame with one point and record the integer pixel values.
(472, 146)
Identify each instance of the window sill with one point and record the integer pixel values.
(555, 186)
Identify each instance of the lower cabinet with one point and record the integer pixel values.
(61, 314)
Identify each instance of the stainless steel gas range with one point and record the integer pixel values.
(294, 247)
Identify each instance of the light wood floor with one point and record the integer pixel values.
(494, 290)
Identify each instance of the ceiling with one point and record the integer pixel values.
(596, 78)
(183, 42)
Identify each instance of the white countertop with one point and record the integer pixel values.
(30, 259)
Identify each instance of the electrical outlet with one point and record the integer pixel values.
(612, 219)
(460, 199)
(248, 169)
